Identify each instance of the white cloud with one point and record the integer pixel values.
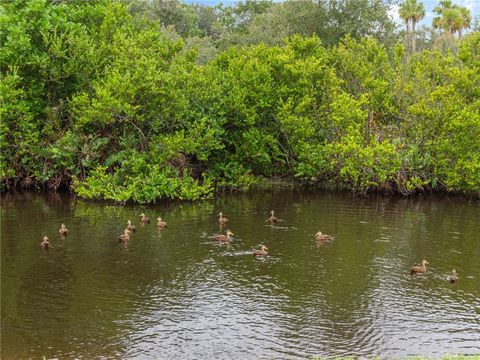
(393, 13)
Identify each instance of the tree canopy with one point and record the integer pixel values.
(100, 98)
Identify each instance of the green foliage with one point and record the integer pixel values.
(109, 101)
(452, 18)
(173, 13)
(329, 20)
(439, 98)
(411, 12)
(141, 182)
(470, 50)
(368, 74)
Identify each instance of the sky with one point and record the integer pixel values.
(473, 5)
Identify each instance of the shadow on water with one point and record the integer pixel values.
(172, 291)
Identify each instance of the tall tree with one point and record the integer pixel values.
(329, 20)
(452, 18)
(412, 12)
(466, 20)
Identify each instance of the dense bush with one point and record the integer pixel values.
(114, 107)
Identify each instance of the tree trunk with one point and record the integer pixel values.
(369, 124)
(414, 36)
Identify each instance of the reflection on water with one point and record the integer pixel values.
(177, 293)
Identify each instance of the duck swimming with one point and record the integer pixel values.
(144, 219)
(453, 278)
(222, 220)
(272, 218)
(222, 237)
(125, 236)
(419, 269)
(323, 237)
(45, 244)
(63, 231)
(131, 227)
(262, 252)
(160, 223)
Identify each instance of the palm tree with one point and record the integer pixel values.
(452, 18)
(412, 12)
(441, 21)
(466, 20)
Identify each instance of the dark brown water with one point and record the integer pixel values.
(177, 294)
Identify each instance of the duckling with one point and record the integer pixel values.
(419, 269)
(63, 231)
(125, 236)
(222, 237)
(323, 237)
(131, 227)
(160, 223)
(45, 244)
(272, 218)
(222, 220)
(262, 252)
(144, 219)
(453, 278)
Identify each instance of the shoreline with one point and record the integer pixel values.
(262, 184)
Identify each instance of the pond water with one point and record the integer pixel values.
(176, 293)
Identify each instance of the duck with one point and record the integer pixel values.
(45, 244)
(222, 237)
(144, 219)
(272, 218)
(262, 252)
(222, 220)
(323, 237)
(131, 227)
(125, 236)
(453, 278)
(160, 223)
(63, 231)
(419, 269)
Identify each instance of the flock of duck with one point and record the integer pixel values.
(227, 237)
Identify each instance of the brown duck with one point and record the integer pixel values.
(453, 278)
(63, 231)
(262, 252)
(224, 238)
(160, 223)
(323, 237)
(144, 219)
(272, 218)
(131, 227)
(125, 236)
(222, 220)
(419, 269)
(45, 244)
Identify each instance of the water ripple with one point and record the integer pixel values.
(178, 294)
